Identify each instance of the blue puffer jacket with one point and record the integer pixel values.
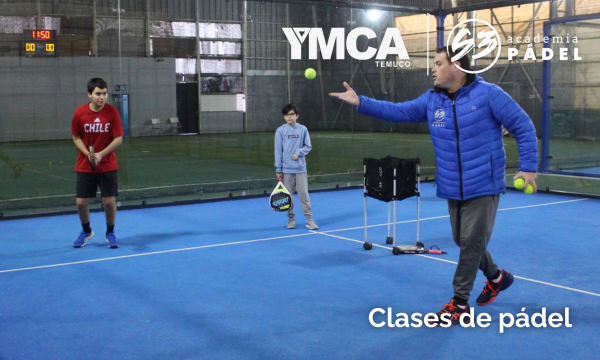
(467, 135)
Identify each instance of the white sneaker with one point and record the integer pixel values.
(311, 224)
(291, 223)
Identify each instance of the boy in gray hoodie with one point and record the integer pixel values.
(292, 144)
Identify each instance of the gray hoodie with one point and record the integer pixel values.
(291, 140)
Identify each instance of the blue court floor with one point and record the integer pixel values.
(227, 280)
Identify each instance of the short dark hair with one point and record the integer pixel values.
(464, 61)
(96, 83)
(286, 109)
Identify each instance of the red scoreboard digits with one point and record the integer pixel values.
(40, 34)
(39, 43)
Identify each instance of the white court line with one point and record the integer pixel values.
(43, 173)
(571, 176)
(154, 253)
(371, 138)
(552, 203)
(445, 216)
(41, 149)
(453, 262)
(284, 237)
(559, 175)
(391, 224)
(180, 185)
(38, 197)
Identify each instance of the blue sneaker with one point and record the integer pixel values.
(111, 239)
(82, 239)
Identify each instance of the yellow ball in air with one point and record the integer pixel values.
(310, 73)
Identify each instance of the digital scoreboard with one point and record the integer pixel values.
(39, 43)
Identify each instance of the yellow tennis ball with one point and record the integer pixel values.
(529, 189)
(519, 183)
(310, 73)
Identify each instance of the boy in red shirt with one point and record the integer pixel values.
(97, 123)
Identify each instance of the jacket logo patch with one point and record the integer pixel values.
(292, 136)
(438, 117)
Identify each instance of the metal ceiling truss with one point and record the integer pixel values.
(412, 6)
(405, 6)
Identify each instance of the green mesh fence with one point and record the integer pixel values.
(575, 103)
(574, 100)
(194, 141)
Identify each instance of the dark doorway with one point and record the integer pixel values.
(187, 107)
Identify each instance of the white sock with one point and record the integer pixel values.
(461, 306)
(499, 278)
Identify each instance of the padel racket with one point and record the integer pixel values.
(280, 199)
(412, 249)
(92, 157)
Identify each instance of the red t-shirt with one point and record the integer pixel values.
(98, 128)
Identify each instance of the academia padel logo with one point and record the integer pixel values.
(439, 116)
(488, 41)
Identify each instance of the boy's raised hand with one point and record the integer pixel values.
(349, 96)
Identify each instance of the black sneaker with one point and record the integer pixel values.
(455, 313)
(491, 289)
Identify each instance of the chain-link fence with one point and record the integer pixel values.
(191, 137)
(573, 100)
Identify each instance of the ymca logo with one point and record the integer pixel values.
(297, 36)
(489, 40)
(438, 117)
(292, 136)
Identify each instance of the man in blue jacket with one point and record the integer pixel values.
(465, 116)
(292, 144)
